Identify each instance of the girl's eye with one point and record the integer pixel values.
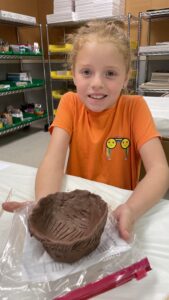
(86, 72)
(110, 73)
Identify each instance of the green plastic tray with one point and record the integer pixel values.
(35, 83)
(20, 54)
(28, 118)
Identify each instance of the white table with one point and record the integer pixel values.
(152, 230)
(159, 107)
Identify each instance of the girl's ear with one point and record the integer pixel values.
(74, 80)
(126, 80)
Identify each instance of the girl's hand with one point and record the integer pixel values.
(125, 221)
(13, 205)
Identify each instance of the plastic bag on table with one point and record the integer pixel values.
(28, 272)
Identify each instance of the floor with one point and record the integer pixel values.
(26, 146)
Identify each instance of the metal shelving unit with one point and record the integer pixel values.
(27, 121)
(150, 51)
(60, 59)
(36, 85)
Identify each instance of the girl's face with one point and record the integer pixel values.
(99, 75)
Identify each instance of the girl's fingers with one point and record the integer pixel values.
(13, 205)
(125, 234)
(124, 222)
(123, 227)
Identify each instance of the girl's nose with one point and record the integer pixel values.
(96, 81)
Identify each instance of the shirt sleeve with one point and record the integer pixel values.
(143, 123)
(64, 114)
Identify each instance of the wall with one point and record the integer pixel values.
(24, 7)
(40, 8)
(158, 33)
(18, 6)
(45, 7)
(138, 6)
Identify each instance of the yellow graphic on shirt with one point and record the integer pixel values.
(112, 143)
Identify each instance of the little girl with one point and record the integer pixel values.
(107, 133)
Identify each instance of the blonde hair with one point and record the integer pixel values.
(103, 31)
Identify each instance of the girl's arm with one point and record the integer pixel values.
(50, 173)
(148, 191)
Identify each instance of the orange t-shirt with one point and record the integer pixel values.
(104, 146)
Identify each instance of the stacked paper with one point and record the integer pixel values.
(159, 81)
(62, 11)
(58, 17)
(99, 9)
(160, 77)
(63, 5)
(72, 10)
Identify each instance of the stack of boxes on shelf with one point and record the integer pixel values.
(76, 10)
(62, 11)
(98, 9)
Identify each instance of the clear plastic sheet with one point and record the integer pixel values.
(27, 271)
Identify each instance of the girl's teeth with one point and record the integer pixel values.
(97, 97)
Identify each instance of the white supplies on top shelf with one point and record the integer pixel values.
(15, 17)
(62, 11)
(98, 8)
(59, 17)
(76, 10)
(63, 5)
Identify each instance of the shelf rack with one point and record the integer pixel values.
(27, 121)
(36, 84)
(148, 51)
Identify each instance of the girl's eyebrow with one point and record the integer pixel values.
(111, 67)
(106, 67)
(85, 65)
